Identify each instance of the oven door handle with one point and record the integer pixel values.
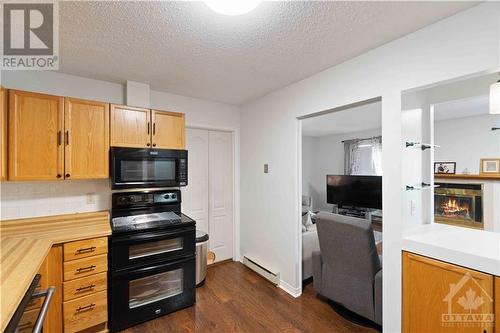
(139, 238)
(157, 267)
(48, 294)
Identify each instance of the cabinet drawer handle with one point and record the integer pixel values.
(86, 307)
(89, 287)
(89, 268)
(86, 249)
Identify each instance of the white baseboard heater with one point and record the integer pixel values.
(274, 277)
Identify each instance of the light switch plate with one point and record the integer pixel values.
(266, 168)
(413, 207)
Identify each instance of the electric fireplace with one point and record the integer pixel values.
(459, 204)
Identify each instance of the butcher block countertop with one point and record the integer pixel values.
(26, 242)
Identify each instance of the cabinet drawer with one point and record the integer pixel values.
(28, 321)
(84, 286)
(85, 312)
(84, 267)
(85, 248)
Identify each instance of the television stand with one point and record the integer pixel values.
(359, 212)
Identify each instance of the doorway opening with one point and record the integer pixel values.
(341, 204)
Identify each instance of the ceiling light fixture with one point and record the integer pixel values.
(495, 98)
(232, 7)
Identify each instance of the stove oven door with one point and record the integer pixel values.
(143, 249)
(145, 293)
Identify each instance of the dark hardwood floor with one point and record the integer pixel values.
(235, 299)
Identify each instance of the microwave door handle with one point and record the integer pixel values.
(49, 293)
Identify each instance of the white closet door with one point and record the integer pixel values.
(195, 195)
(220, 168)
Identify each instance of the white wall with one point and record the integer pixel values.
(467, 140)
(270, 213)
(325, 157)
(29, 199)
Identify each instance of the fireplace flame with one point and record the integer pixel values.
(453, 208)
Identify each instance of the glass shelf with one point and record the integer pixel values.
(420, 145)
(422, 186)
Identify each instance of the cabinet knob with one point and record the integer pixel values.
(154, 144)
(67, 175)
(148, 144)
(58, 175)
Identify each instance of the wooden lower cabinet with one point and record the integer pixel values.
(441, 297)
(85, 286)
(53, 321)
(80, 301)
(85, 312)
(84, 267)
(497, 304)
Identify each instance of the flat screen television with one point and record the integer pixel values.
(356, 191)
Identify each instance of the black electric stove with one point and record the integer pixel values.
(152, 257)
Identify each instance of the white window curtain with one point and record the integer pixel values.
(363, 156)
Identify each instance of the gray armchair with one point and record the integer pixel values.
(347, 269)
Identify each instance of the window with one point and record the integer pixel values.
(363, 156)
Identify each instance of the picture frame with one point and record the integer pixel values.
(448, 168)
(490, 166)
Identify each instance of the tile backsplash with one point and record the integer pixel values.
(32, 199)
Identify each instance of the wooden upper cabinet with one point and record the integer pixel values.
(35, 136)
(168, 129)
(130, 127)
(86, 139)
(3, 136)
(433, 291)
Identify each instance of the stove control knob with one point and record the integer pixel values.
(174, 196)
(167, 196)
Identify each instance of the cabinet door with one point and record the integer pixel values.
(168, 130)
(3, 136)
(438, 297)
(86, 139)
(130, 127)
(497, 304)
(35, 136)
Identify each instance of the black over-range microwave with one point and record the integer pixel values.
(140, 168)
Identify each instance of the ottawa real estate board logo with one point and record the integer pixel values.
(468, 304)
(30, 36)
